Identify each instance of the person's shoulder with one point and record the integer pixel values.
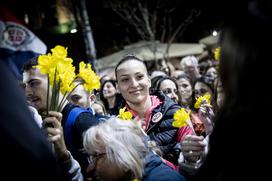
(168, 103)
(101, 117)
(87, 116)
(156, 169)
(80, 112)
(85, 120)
(170, 107)
(164, 172)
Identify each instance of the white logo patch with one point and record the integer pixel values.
(157, 117)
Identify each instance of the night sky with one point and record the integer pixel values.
(109, 30)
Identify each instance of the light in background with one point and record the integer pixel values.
(214, 33)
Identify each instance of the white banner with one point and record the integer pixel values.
(16, 37)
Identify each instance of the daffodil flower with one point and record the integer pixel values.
(181, 117)
(125, 115)
(206, 97)
(91, 80)
(217, 54)
(59, 52)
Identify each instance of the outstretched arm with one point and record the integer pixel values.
(67, 163)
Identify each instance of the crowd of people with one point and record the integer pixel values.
(87, 139)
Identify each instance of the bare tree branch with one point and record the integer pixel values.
(181, 28)
(152, 22)
(163, 25)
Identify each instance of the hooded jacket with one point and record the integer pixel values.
(160, 128)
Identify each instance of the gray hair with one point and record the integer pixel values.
(188, 61)
(123, 142)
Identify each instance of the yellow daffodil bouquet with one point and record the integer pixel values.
(62, 76)
(182, 118)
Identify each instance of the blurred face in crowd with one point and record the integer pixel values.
(98, 109)
(165, 68)
(202, 89)
(190, 67)
(80, 97)
(185, 88)
(168, 87)
(102, 169)
(133, 81)
(202, 66)
(211, 72)
(191, 70)
(109, 90)
(104, 78)
(35, 85)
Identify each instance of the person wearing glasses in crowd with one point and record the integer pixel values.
(118, 151)
(168, 86)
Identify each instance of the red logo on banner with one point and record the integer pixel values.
(15, 35)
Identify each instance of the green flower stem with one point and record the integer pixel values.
(57, 95)
(47, 95)
(62, 101)
(67, 94)
(54, 90)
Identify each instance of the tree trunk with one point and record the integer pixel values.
(83, 19)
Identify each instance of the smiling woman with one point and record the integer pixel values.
(133, 81)
(110, 97)
(154, 113)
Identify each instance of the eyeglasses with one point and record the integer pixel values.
(92, 159)
(169, 91)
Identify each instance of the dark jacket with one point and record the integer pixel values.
(99, 117)
(156, 169)
(118, 104)
(162, 131)
(83, 122)
(26, 153)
